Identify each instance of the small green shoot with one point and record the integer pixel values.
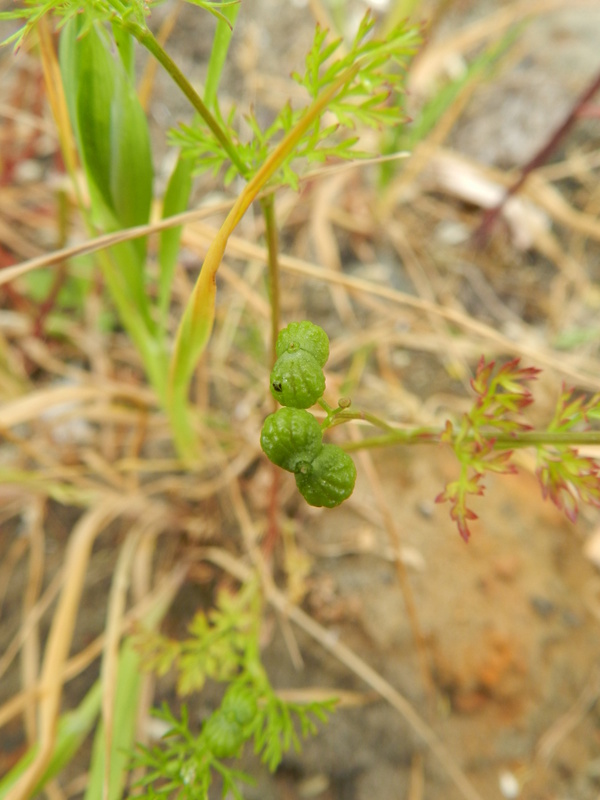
(224, 646)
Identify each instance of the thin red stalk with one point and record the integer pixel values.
(490, 217)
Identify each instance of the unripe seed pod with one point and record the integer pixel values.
(304, 336)
(329, 479)
(297, 379)
(223, 734)
(240, 703)
(291, 437)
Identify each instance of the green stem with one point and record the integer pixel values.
(218, 53)
(558, 438)
(268, 208)
(502, 441)
(416, 436)
(338, 417)
(147, 40)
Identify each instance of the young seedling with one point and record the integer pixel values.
(223, 645)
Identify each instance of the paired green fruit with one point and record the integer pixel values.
(304, 336)
(291, 437)
(223, 735)
(240, 703)
(226, 729)
(297, 379)
(329, 479)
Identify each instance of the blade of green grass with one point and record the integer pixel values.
(443, 99)
(126, 49)
(129, 681)
(175, 201)
(129, 678)
(114, 146)
(73, 728)
(113, 142)
(219, 51)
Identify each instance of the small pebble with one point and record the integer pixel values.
(542, 606)
(29, 171)
(425, 509)
(509, 785)
(571, 619)
(506, 567)
(452, 233)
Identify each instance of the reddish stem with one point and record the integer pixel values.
(578, 110)
(272, 534)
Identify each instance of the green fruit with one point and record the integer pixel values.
(297, 379)
(291, 437)
(329, 479)
(304, 336)
(223, 734)
(240, 704)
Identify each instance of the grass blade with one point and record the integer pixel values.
(129, 683)
(175, 201)
(73, 728)
(218, 53)
(113, 142)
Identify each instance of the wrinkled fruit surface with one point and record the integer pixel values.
(329, 479)
(291, 437)
(304, 336)
(297, 379)
(223, 734)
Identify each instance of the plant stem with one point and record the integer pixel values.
(268, 208)
(491, 215)
(339, 417)
(196, 324)
(416, 436)
(147, 40)
(558, 438)
(502, 441)
(267, 205)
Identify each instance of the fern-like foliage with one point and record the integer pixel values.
(92, 11)
(567, 477)
(224, 646)
(487, 435)
(501, 395)
(182, 766)
(371, 98)
(216, 647)
(185, 764)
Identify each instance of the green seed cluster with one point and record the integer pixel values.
(297, 379)
(227, 729)
(291, 437)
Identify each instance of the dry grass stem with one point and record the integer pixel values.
(59, 640)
